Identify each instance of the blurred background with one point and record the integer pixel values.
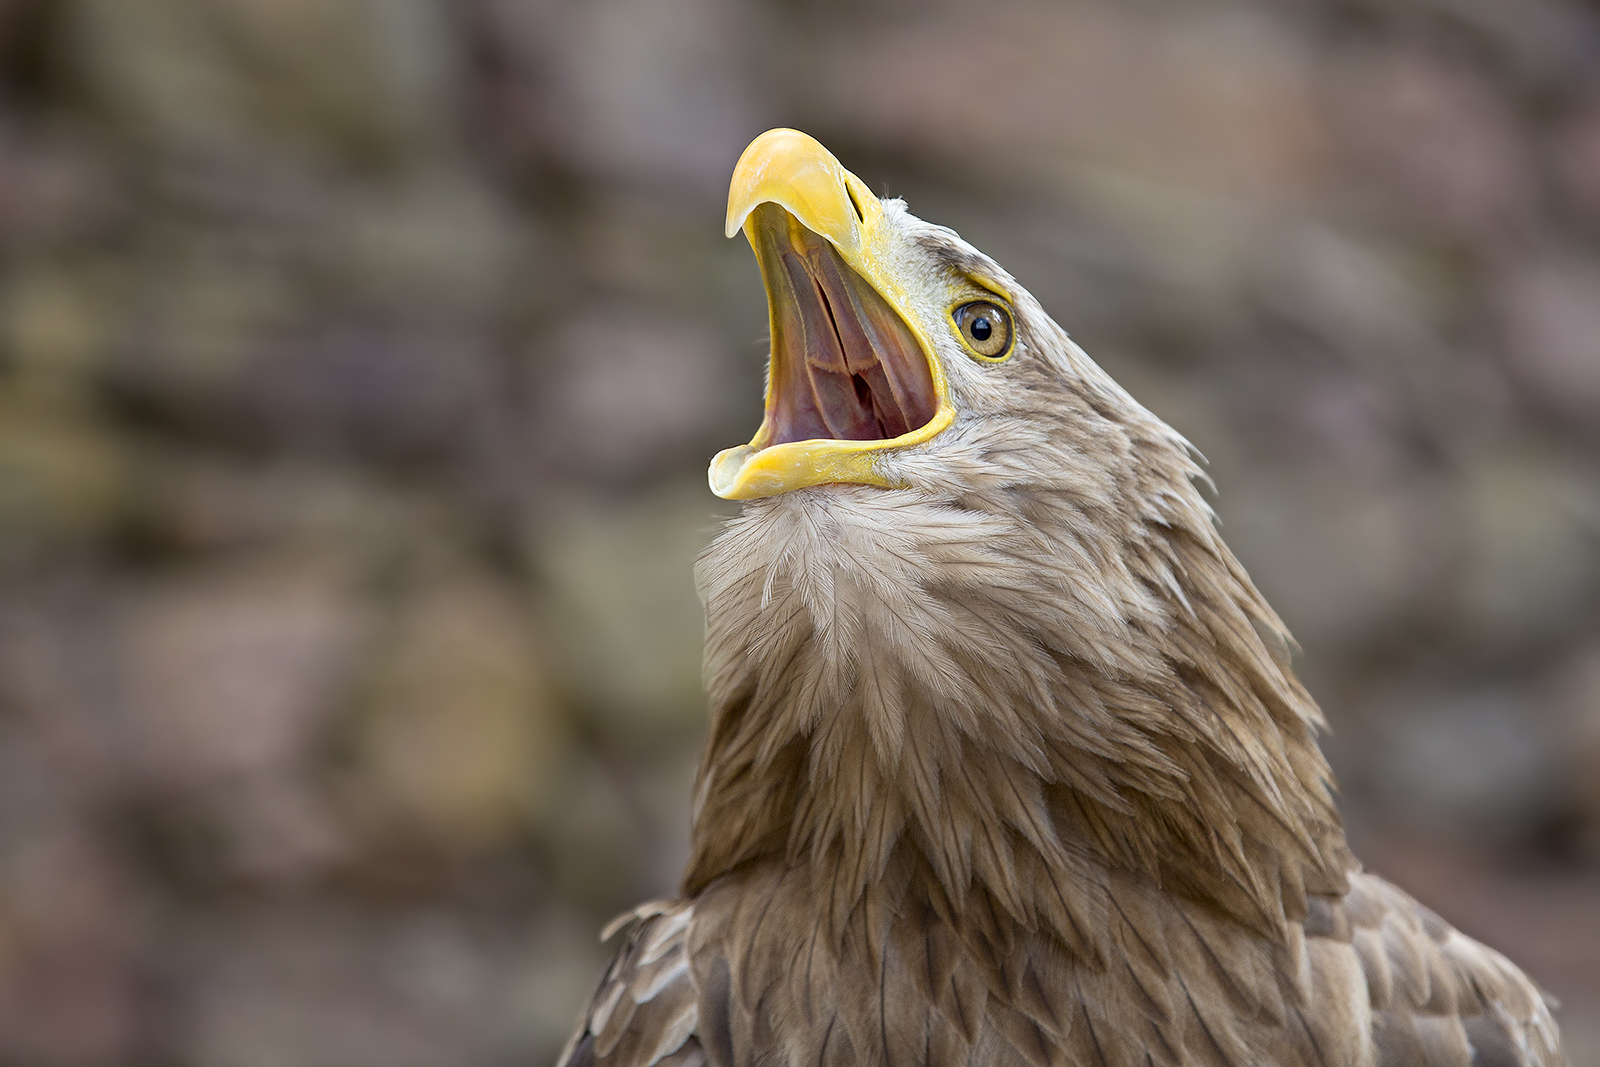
(360, 361)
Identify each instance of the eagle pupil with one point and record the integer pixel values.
(981, 329)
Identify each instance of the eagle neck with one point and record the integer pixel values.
(979, 692)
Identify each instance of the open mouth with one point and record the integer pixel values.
(845, 366)
(851, 378)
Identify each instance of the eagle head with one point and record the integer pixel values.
(902, 357)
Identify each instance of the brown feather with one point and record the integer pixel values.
(1008, 768)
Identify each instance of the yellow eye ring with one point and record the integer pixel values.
(986, 329)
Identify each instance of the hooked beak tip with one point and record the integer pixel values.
(793, 169)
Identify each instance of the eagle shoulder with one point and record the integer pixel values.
(1436, 997)
(647, 1008)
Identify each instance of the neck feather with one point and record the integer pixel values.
(1020, 689)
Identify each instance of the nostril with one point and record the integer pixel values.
(861, 216)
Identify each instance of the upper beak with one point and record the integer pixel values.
(793, 170)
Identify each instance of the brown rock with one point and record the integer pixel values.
(1551, 315)
(233, 673)
(458, 736)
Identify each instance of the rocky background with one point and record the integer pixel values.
(359, 365)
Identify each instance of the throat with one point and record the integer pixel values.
(910, 704)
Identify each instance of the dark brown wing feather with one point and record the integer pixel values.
(747, 974)
(648, 1006)
(1437, 998)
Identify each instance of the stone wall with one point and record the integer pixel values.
(359, 364)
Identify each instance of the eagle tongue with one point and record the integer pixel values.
(844, 365)
(812, 380)
(868, 332)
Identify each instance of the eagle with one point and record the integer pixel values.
(1007, 765)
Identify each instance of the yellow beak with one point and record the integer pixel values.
(794, 171)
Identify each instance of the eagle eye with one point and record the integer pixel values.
(986, 328)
